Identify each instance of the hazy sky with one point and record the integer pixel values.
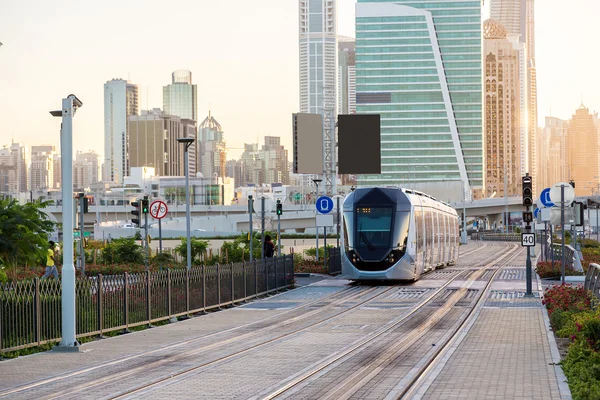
(243, 56)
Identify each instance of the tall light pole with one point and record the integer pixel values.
(316, 181)
(70, 104)
(187, 142)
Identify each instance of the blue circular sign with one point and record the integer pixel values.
(324, 205)
(545, 198)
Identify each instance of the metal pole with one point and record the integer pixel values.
(81, 238)
(278, 235)
(160, 235)
(68, 341)
(188, 217)
(551, 247)
(316, 227)
(146, 239)
(505, 201)
(562, 229)
(325, 246)
(262, 226)
(463, 235)
(250, 208)
(528, 272)
(337, 242)
(597, 240)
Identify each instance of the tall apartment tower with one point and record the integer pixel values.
(85, 169)
(180, 98)
(502, 100)
(318, 54)
(211, 154)
(346, 75)
(425, 81)
(553, 160)
(42, 170)
(121, 99)
(274, 159)
(518, 17)
(582, 148)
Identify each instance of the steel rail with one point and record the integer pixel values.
(172, 346)
(331, 360)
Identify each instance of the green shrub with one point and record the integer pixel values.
(3, 276)
(582, 368)
(559, 319)
(572, 326)
(312, 252)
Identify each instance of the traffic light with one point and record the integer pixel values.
(85, 204)
(145, 205)
(279, 207)
(527, 191)
(136, 212)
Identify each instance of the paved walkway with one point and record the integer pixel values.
(507, 353)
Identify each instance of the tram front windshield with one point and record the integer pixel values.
(373, 227)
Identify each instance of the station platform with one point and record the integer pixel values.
(507, 350)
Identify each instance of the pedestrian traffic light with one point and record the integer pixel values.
(136, 212)
(527, 191)
(279, 207)
(145, 205)
(85, 204)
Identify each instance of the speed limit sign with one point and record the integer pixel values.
(528, 239)
(158, 209)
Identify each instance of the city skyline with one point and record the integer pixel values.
(251, 91)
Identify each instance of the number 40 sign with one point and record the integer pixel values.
(528, 239)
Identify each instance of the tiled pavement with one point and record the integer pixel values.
(507, 353)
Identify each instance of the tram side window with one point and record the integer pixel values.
(418, 229)
(429, 235)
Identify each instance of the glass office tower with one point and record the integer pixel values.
(418, 64)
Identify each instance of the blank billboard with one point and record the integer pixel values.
(359, 144)
(308, 143)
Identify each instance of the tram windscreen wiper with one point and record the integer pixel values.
(369, 245)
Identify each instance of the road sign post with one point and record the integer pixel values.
(159, 210)
(324, 205)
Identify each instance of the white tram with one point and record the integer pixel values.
(390, 233)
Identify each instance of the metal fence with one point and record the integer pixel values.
(573, 257)
(30, 311)
(335, 261)
(592, 279)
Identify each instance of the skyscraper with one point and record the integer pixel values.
(318, 52)
(180, 98)
(554, 160)
(502, 110)
(85, 169)
(212, 151)
(518, 17)
(42, 167)
(121, 100)
(153, 142)
(346, 75)
(418, 64)
(582, 148)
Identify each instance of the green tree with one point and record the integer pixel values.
(123, 250)
(199, 248)
(24, 232)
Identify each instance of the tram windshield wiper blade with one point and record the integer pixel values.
(369, 245)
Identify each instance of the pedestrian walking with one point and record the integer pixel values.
(269, 247)
(50, 261)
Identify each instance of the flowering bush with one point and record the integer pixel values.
(566, 298)
(311, 266)
(546, 269)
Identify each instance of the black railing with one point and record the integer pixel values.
(30, 311)
(334, 261)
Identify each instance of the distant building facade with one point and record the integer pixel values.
(180, 98)
(346, 75)
(121, 99)
(582, 145)
(153, 142)
(42, 167)
(318, 54)
(85, 169)
(212, 150)
(502, 113)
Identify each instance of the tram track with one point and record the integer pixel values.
(350, 384)
(183, 374)
(353, 293)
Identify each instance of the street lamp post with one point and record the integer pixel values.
(68, 342)
(187, 142)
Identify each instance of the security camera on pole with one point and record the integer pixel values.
(528, 238)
